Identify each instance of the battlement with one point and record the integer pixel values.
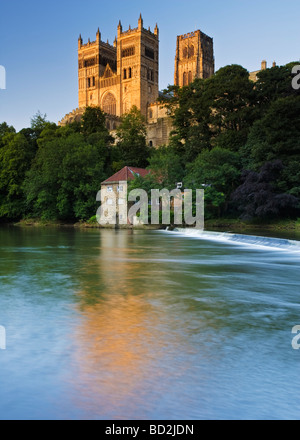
(97, 42)
(193, 35)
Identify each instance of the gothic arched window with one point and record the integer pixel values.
(109, 104)
(185, 79)
(191, 51)
(190, 77)
(185, 52)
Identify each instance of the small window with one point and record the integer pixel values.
(109, 202)
(129, 72)
(109, 189)
(89, 82)
(120, 188)
(191, 51)
(150, 114)
(152, 75)
(185, 79)
(149, 53)
(124, 74)
(151, 144)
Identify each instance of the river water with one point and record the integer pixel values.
(147, 325)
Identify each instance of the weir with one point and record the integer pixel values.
(248, 240)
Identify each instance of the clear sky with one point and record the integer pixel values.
(39, 42)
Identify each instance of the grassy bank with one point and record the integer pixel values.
(91, 224)
(217, 224)
(239, 225)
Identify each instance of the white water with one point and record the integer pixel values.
(240, 239)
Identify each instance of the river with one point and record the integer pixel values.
(147, 325)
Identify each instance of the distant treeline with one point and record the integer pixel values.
(237, 139)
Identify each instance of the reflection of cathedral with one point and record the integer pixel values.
(125, 74)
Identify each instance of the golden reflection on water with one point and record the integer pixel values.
(122, 338)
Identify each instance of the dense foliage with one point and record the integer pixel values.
(237, 139)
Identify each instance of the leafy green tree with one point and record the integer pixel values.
(132, 145)
(94, 122)
(15, 160)
(276, 135)
(6, 132)
(218, 172)
(38, 123)
(218, 111)
(64, 179)
(191, 110)
(166, 168)
(233, 107)
(275, 83)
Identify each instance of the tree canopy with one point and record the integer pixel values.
(237, 139)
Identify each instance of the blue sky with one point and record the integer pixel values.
(39, 42)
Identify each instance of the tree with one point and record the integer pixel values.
(38, 124)
(94, 122)
(166, 168)
(15, 160)
(260, 197)
(275, 83)
(64, 179)
(190, 110)
(218, 171)
(218, 111)
(233, 107)
(131, 142)
(276, 135)
(6, 134)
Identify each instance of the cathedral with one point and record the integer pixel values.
(125, 74)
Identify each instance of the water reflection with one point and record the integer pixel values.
(123, 338)
(131, 325)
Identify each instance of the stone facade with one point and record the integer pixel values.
(114, 193)
(253, 75)
(194, 58)
(118, 77)
(125, 74)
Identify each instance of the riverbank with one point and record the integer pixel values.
(38, 223)
(239, 225)
(218, 224)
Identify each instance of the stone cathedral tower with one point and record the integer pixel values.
(116, 77)
(194, 58)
